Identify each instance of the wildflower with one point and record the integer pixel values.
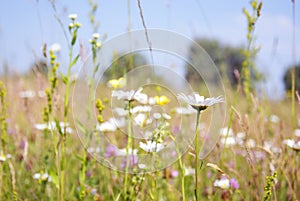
(42, 177)
(240, 137)
(4, 157)
(199, 102)
(71, 26)
(110, 151)
(173, 174)
(234, 183)
(117, 83)
(228, 141)
(140, 108)
(93, 150)
(133, 160)
(27, 94)
(52, 126)
(297, 132)
(55, 47)
(161, 100)
(188, 171)
(127, 95)
(251, 143)
(226, 132)
(73, 16)
(41, 94)
(121, 111)
(111, 125)
(274, 119)
(166, 116)
(222, 183)
(141, 98)
(290, 143)
(151, 146)
(156, 115)
(142, 120)
(142, 166)
(122, 152)
(96, 36)
(151, 101)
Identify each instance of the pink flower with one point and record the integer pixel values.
(234, 183)
(110, 151)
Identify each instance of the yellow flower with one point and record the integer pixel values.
(161, 100)
(2, 157)
(117, 83)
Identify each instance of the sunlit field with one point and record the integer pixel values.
(128, 132)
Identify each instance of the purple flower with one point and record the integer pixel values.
(133, 160)
(23, 144)
(234, 183)
(174, 173)
(88, 174)
(110, 151)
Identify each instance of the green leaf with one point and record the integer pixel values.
(75, 60)
(81, 127)
(54, 178)
(58, 126)
(96, 68)
(64, 78)
(74, 38)
(79, 157)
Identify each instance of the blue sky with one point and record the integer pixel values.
(25, 25)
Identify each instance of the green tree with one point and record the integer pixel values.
(226, 58)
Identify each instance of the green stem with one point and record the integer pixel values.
(129, 145)
(197, 155)
(64, 136)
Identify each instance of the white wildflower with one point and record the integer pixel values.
(142, 120)
(274, 118)
(166, 116)
(199, 102)
(73, 16)
(251, 143)
(297, 132)
(55, 47)
(228, 141)
(222, 183)
(27, 94)
(225, 131)
(43, 177)
(128, 95)
(96, 35)
(156, 115)
(122, 152)
(151, 146)
(141, 108)
(151, 101)
(290, 143)
(188, 171)
(121, 111)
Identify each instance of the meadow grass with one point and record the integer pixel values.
(259, 149)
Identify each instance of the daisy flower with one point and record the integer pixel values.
(151, 146)
(199, 102)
